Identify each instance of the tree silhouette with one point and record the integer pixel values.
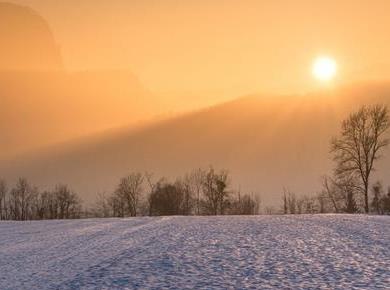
(359, 144)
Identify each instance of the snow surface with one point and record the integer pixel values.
(258, 252)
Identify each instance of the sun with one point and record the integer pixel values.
(324, 68)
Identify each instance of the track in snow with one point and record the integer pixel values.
(320, 251)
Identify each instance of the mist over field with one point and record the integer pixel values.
(217, 144)
(266, 142)
(89, 127)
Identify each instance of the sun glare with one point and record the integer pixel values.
(324, 68)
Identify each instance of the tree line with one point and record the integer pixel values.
(355, 152)
(349, 189)
(26, 202)
(335, 199)
(200, 192)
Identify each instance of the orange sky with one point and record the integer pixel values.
(131, 61)
(222, 47)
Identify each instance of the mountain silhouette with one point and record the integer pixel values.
(26, 42)
(267, 142)
(39, 108)
(41, 103)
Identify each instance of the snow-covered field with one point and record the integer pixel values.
(263, 252)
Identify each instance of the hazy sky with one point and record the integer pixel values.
(234, 47)
(179, 55)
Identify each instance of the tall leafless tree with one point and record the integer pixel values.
(67, 202)
(330, 191)
(289, 201)
(361, 139)
(197, 178)
(185, 186)
(130, 190)
(20, 200)
(152, 188)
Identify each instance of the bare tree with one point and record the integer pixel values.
(359, 144)
(246, 204)
(117, 205)
(197, 178)
(102, 206)
(377, 190)
(40, 205)
(167, 199)
(300, 204)
(309, 204)
(330, 191)
(321, 199)
(285, 207)
(385, 201)
(257, 199)
(215, 191)
(26, 202)
(3, 193)
(152, 187)
(292, 202)
(221, 182)
(68, 203)
(289, 201)
(20, 200)
(52, 205)
(130, 190)
(210, 196)
(347, 186)
(185, 186)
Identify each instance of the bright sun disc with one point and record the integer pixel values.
(324, 68)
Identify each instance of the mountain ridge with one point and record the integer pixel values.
(266, 143)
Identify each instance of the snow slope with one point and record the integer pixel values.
(262, 252)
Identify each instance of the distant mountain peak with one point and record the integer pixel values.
(26, 42)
